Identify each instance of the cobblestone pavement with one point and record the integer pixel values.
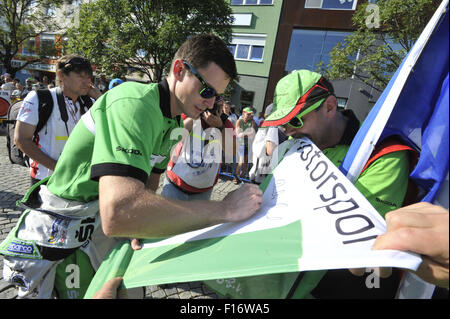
(14, 181)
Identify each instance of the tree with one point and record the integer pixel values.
(20, 21)
(385, 33)
(143, 35)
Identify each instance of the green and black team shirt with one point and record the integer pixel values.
(129, 131)
(385, 181)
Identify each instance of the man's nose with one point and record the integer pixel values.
(209, 102)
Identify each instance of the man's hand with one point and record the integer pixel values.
(109, 289)
(136, 244)
(211, 119)
(242, 203)
(422, 228)
(94, 92)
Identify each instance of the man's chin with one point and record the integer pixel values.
(298, 136)
(195, 116)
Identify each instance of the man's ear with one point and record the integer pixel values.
(59, 76)
(177, 69)
(331, 105)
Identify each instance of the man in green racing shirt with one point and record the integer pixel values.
(304, 103)
(108, 172)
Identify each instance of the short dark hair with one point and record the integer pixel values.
(74, 63)
(200, 50)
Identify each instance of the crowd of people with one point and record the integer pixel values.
(19, 90)
(98, 186)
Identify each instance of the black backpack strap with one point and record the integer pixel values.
(45, 108)
(62, 107)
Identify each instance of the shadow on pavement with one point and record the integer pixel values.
(8, 200)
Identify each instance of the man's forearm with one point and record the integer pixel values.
(138, 212)
(35, 153)
(129, 209)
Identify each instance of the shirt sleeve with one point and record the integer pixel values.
(272, 135)
(385, 181)
(29, 112)
(126, 133)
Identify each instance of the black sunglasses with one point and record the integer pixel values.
(321, 90)
(77, 63)
(207, 92)
(297, 122)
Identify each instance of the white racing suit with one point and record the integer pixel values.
(49, 230)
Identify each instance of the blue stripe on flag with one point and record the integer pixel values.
(420, 115)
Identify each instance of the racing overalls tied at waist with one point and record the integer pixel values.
(49, 230)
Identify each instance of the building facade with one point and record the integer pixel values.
(295, 34)
(253, 45)
(65, 15)
(308, 30)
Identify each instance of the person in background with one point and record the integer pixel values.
(44, 148)
(114, 83)
(29, 84)
(193, 169)
(245, 132)
(258, 119)
(264, 148)
(20, 92)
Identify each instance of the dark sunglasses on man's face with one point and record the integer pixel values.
(297, 122)
(207, 92)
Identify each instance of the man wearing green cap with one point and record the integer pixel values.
(304, 103)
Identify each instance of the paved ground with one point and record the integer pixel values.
(14, 181)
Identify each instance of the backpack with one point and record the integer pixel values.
(16, 156)
(394, 144)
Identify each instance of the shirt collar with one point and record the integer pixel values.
(164, 98)
(351, 129)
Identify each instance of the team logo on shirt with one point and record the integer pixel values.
(128, 150)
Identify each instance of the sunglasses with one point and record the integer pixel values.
(207, 92)
(76, 63)
(321, 90)
(296, 122)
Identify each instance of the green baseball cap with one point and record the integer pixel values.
(297, 92)
(248, 110)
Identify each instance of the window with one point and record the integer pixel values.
(251, 2)
(331, 4)
(248, 47)
(242, 51)
(28, 47)
(232, 48)
(247, 98)
(308, 48)
(242, 19)
(257, 53)
(342, 102)
(47, 44)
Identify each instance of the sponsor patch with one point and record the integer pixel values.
(21, 248)
(128, 150)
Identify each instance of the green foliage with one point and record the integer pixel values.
(23, 20)
(143, 35)
(385, 34)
